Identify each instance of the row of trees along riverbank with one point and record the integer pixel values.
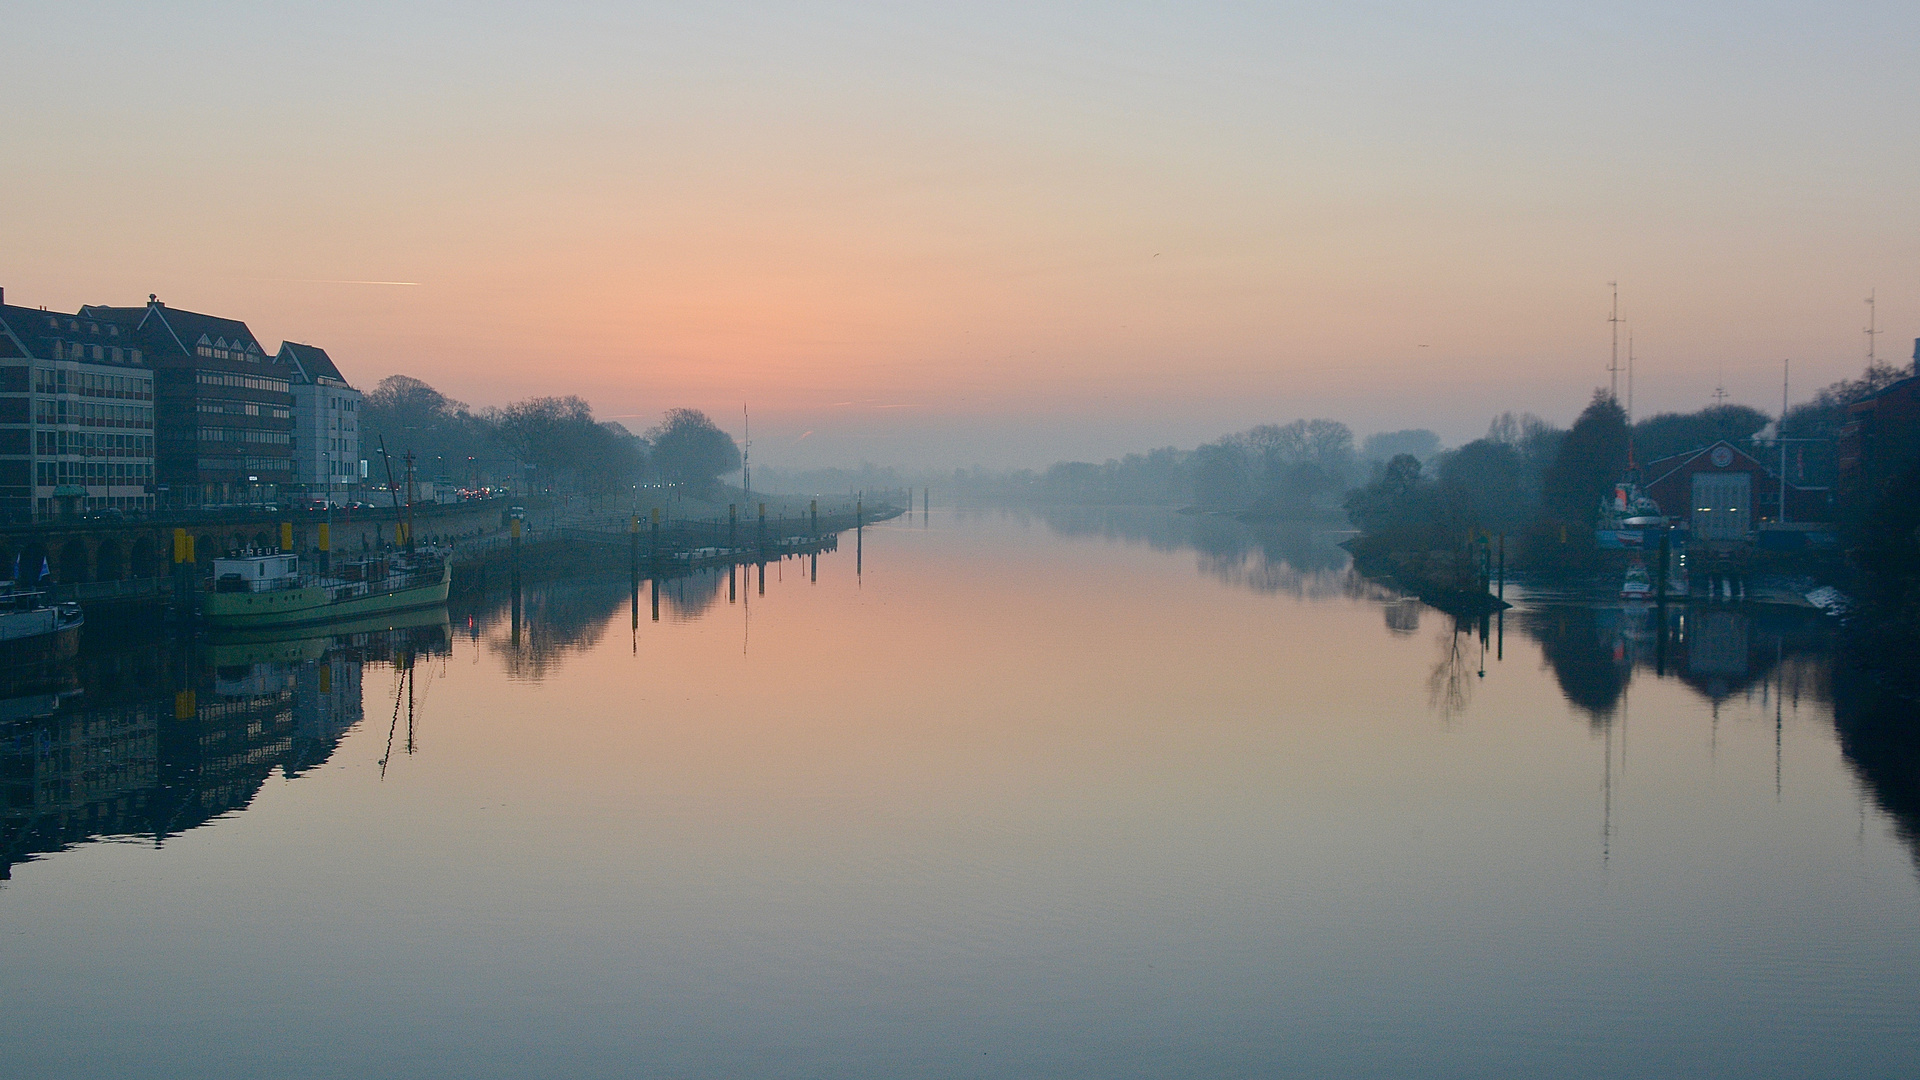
(1543, 488)
(1536, 483)
(550, 443)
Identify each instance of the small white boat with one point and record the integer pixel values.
(1638, 584)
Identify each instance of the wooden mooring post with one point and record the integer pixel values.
(515, 544)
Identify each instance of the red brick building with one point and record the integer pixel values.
(1721, 492)
(1885, 425)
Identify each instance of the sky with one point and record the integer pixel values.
(938, 234)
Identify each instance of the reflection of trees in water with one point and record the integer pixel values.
(1463, 653)
(571, 615)
(557, 618)
(688, 598)
(1295, 560)
(1580, 646)
(1876, 710)
(1595, 649)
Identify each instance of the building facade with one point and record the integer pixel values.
(1722, 493)
(326, 422)
(1882, 430)
(76, 416)
(223, 409)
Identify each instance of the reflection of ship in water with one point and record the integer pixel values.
(151, 739)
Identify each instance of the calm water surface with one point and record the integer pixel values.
(1101, 795)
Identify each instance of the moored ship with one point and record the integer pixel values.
(33, 631)
(269, 589)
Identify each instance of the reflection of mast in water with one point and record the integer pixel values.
(403, 694)
(1606, 801)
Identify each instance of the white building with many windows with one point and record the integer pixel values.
(326, 422)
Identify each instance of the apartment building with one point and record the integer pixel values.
(76, 416)
(224, 409)
(326, 422)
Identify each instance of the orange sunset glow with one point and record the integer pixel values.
(1003, 235)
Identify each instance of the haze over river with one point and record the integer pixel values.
(1095, 794)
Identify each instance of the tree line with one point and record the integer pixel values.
(1544, 487)
(547, 443)
(1526, 478)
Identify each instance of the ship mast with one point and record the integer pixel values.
(1613, 365)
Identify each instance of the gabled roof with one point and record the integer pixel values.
(30, 333)
(1667, 466)
(177, 331)
(311, 364)
(1911, 382)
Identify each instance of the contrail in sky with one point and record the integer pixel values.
(331, 281)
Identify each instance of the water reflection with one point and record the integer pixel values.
(144, 740)
(1784, 655)
(1595, 649)
(1301, 560)
(537, 628)
(1876, 712)
(1097, 788)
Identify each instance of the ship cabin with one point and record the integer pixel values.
(256, 572)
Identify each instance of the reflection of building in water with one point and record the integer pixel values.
(1594, 649)
(1716, 650)
(71, 773)
(150, 740)
(326, 705)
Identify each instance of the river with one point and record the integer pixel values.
(1071, 794)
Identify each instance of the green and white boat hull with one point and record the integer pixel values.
(322, 603)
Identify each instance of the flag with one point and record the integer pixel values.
(45, 570)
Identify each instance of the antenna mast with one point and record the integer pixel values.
(1629, 377)
(1780, 436)
(1871, 331)
(746, 453)
(1613, 365)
